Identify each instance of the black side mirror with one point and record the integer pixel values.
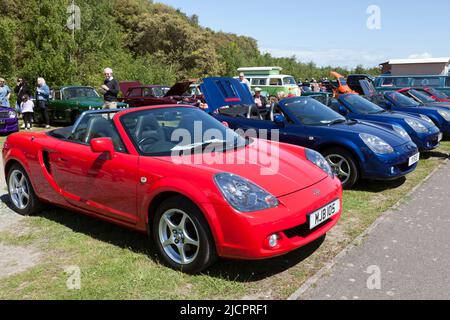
(343, 110)
(388, 104)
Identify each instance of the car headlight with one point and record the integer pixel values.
(319, 160)
(444, 115)
(12, 114)
(401, 131)
(243, 195)
(427, 119)
(376, 144)
(416, 125)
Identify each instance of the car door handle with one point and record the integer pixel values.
(63, 159)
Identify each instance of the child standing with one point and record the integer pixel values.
(27, 107)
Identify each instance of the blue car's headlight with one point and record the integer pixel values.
(319, 160)
(427, 119)
(416, 125)
(376, 144)
(243, 195)
(12, 114)
(401, 131)
(445, 114)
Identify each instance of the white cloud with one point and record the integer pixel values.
(334, 57)
(425, 55)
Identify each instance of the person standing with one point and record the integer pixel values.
(27, 109)
(42, 97)
(111, 89)
(244, 81)
(20, 90)
(5, 93)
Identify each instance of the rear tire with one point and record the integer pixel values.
(344, 166)
(182, 236)
(23, 199)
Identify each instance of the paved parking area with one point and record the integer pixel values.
(405, 256)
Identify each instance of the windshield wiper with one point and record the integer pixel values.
(378, 112)
(202, 145)
(337, 121)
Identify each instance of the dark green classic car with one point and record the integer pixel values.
(68, 103)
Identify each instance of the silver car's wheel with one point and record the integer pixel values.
(19, 189)
(178, 236)
(340, 167)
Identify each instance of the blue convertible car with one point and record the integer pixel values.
(421, 130)
(355, 150)
(396, 101)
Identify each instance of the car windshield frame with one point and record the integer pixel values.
(437, 93)
(413, 103)
(231, 141)
(360, 105)
(421, 96)
(327, 115)
(65, 90)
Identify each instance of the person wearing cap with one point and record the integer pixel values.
(260, 101)
(5, 93)
(111, 89)
(244, 81)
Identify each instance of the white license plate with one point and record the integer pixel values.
(441, 136)
(323, 214)
(414, 159)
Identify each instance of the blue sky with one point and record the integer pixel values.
(331, 32)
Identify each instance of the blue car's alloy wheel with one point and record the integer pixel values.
(343, 166)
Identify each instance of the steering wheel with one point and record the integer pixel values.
(154, 140)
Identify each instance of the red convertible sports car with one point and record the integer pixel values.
(433, 94)
(133, 168)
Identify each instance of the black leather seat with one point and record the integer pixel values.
(148, 126)
(98, 127)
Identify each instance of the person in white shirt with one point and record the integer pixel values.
(244, 81)
(27, 108)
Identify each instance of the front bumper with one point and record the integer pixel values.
(245, 235)
(389, 166)
(427, 141)
(9, 125)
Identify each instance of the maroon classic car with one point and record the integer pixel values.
(138, 95)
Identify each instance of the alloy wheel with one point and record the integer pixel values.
(178, 236)
(19, 189)
(340, 167)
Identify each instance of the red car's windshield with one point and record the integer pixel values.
(438, 94)
(178, 130)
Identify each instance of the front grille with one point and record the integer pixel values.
(4, 114)
(303, 230)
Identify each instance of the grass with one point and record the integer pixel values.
(120, 264)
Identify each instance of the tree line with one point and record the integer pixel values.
(141, 40)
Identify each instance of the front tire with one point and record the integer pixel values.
(182, 236)
(344, 166)
(23, 199)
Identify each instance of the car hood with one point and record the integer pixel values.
(390, 136)
(388, 117)
(90, 102)
(179, 88)
(5, 109)
(437, 104)
(280, 170)
(221, 91)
